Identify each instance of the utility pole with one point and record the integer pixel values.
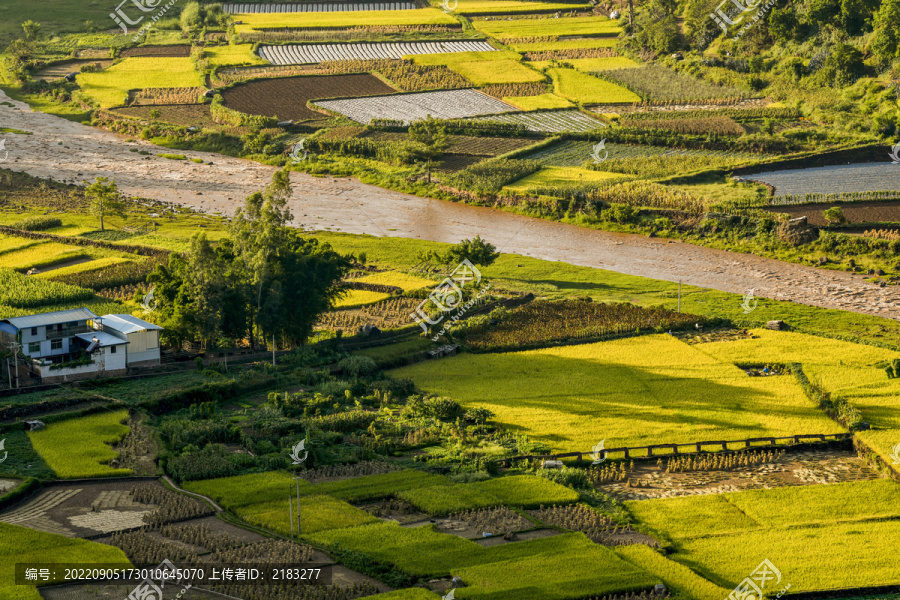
(14, 348)
(291, 512)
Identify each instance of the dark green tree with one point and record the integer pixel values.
(478, 251)
(105, 200)
(432, 139)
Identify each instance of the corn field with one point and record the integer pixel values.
(22, 291)
(660, 84)
(169, 505)
(633, 193)
(393, 312)
(370, 467)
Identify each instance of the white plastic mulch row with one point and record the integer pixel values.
(313, 53)
(236, 9)
(861, 177)
(556, 121)
(453, 104)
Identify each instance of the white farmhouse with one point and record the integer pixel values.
(142, 338)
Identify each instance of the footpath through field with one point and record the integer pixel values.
(71, 152)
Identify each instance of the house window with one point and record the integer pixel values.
(34, 331)
(34, 348)
(56, 344)
(112, 349)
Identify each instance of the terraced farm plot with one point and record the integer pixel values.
(661, 84)
(499, 71)
(863, 177)
(233, 54)
(80, 448)
(592, 65)
(803, 530)
(587, 89)
(567, 44)
(574, 153)
(539, 102)
(453, 104)
(551, 121)
(182, 51)
(314, 53)
(236, 8)
(110, 86)
(632, 392)
(553, 176)
(187, 115)
(286, 98)
(344, 20)
(514, 7)
(528, 28)
(463, 144)
(24, 292)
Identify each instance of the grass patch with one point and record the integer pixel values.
(360, 298)
(587, 89)
(110, 86)
(528, 491)
(317, 513)
(444, 499)
(80, 447)
(173, 156)
(674, 575)
(497, 71)
(24, 545)
(242, 490)
(572, 397)
(406, 281)
(563, 176)
(542, 101)
(522, 28)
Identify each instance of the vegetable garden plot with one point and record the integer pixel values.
(286, 98)
(453, 104)
(313, 53)
(836, 179)
(233, 8)
(575, 153)
(551, 121)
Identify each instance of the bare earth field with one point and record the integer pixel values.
(73, 152)
(856, 212)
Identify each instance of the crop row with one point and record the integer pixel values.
(350, 34)
(837, 183)
(464, 144)
(234, 8)
(313, 53)
(451, 104)
(574, 153)
(22, 291)
(543, 321)
(638, 194)
(698, 126)
(191, 95)
(515, 90)
(738, 114)
(550, 121)
(571, 53)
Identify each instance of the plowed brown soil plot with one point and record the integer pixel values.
(286, 98)
(62, 69)
(168, 51)
(855, 212)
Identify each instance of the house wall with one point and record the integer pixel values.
(44, 335)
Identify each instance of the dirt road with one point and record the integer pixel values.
(72, 152)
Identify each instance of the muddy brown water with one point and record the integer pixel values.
(71, 152)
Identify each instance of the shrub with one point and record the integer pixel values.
(38, 223)
(357, 366)
(489, 176)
